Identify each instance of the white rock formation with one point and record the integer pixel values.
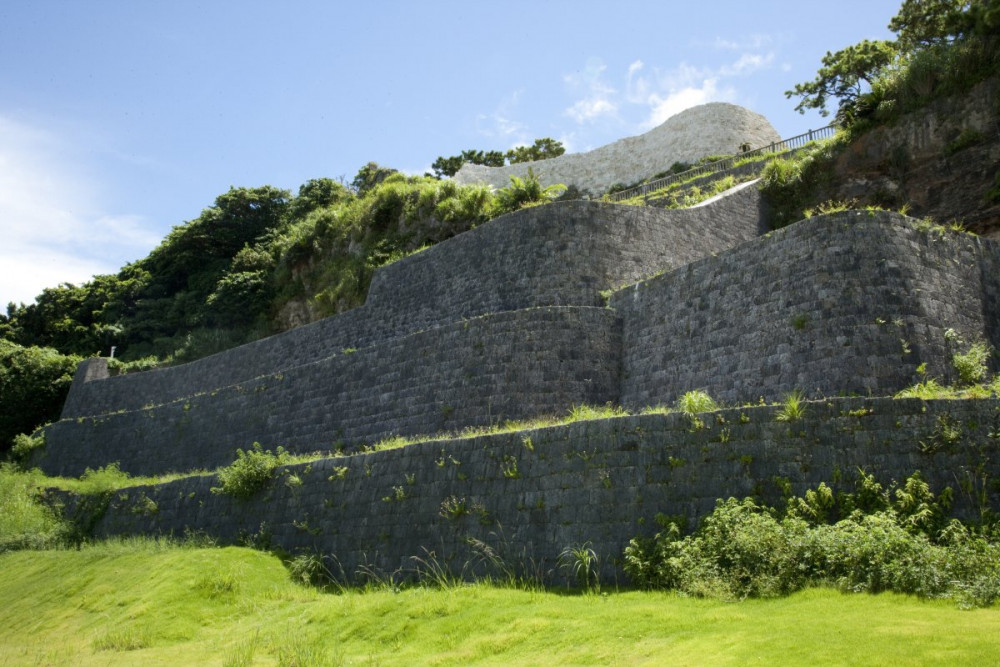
(709, 129)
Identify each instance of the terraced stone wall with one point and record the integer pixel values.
(529, 495)
(505, 366)
(850, 303)
(560, 254)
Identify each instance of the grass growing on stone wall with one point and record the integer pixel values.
(147, 602)
(684, 195)
(25, 523)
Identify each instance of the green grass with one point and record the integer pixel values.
(148, 602)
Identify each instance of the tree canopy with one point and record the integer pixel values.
(940, 45)
(542, 149)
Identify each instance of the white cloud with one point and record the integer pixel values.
(636, 89)
(748, 63)
(591, 108)
(675, 101)
(598, 98)
(501, 124)
(52, 226)
(658, 94)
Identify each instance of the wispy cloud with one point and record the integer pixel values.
(750, 42)
(598, 96)
(54, 229)
(656, 94)
(501, 124)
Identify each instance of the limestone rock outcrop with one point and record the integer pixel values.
(708, 129)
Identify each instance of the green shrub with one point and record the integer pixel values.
(873, 539)
(972, 365)
(250, 472)
(24, 445)
(524, 192)
(102, 481)
(34, 382)
(695, 402)
(26, 522)
(793, 408)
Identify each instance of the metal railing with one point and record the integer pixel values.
(724, 164)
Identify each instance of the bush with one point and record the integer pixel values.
(24, 445)
(524, 192)
(972, 365)
(694, 402)
(34, 382)
(250, 472)
(894, 539)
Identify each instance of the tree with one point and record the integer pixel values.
(370, 176)
(927, 31)
(845, 76)
(542, 149)
(923, 23)
(34, 382)
(317, 193)
(447, 166)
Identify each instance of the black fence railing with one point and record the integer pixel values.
(725, 164)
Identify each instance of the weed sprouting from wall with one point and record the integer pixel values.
(250, 472)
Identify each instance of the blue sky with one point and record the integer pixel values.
(119, 120)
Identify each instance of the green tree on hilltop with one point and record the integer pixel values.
(941, 47)
(542, 149)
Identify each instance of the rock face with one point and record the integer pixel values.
(941, 160)
(716, 128)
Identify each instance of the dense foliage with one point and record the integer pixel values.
(34, 382)
(218, 280)
(250, 472)
(872, 539)
(942, 47)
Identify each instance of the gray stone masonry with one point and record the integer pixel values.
(490, 369)
(851, 303)
(565, 253)
(531, 494)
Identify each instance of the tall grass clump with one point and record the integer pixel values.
(25, 521)
(697, 401)
(794, 183)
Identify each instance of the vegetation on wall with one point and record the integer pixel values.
(222, 279)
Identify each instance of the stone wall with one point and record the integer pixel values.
(561, 254)
(710, 129)
(940, 160)
(486, 370)
(850, 303)
(531, 494)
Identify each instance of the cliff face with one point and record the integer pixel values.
(943, 160)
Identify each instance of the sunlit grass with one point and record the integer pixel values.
(132, 603)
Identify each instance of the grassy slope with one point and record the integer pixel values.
(125, 605)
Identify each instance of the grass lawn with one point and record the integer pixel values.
(158, 604)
